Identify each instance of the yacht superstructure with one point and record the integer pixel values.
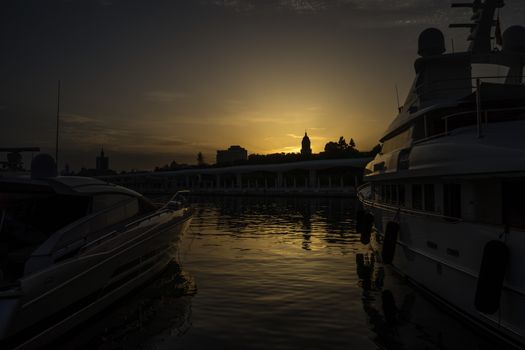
(446, 192)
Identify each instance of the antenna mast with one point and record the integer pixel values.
(482, 23)
(397, 97)
(58, 124)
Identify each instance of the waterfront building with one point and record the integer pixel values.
(102, 162)
(232, 155)
(333, 177)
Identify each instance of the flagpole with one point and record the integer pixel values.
(58, 124)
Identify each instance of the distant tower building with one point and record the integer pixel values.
(102, 161)
(306, 150)
(232, 155)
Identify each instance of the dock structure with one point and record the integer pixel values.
(337, 177)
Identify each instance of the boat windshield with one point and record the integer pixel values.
(28, 219)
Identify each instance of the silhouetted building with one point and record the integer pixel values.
(232, 155)
(102, 162)
(306, 150)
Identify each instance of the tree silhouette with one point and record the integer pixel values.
(342, 144)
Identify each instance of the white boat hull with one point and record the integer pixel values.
(104, 274)
(444, 257)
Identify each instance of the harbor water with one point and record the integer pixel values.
(276, 273)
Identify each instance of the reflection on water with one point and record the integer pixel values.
(276, 273)
(160, 309)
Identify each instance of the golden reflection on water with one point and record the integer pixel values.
(276, 273)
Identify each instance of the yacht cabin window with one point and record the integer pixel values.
(106, 200)
(423, 197)
(30, 218)
(417, 197)
(401, 194)
(116, 215)
(389, 193)
(452, 200)
(394, 194)
(514, 204)
(401, 140)
(429, 197)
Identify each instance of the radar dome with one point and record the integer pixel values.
(431, 42)
(42, 166)
(514, 39)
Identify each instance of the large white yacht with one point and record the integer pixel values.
(71, 246)
(446, 194)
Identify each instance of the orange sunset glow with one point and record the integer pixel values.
(156, 82)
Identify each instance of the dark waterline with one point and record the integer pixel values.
(276, 273)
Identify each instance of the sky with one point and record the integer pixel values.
(156, 81)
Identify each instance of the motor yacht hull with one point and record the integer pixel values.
(55, 300)
(443, 258)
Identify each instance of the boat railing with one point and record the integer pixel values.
(481, 123)
(425, 89)
(130, 225)
(405, 210)
(89, 238)
(398, 208)
(480, 117)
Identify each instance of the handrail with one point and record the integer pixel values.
(473, 78)
(399, 207)
(177, 194)
(458, 114)
(422, 86)
(483, 110)
(478, 112)
(409, 211)
(126, 227)
(429, 214)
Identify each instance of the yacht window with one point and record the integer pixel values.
(387, 192)
(401, 194)
(452, 200)
(132, 208)
(383, 196)
(418, 132)
(27, 220)
(429, 197)
(44, 214)
(114, 216)
(399, 141)
(435, 125)
(513, 204)
(375, 192)
(107, 200)
(417, 197)
(394, 193)
(489, 201)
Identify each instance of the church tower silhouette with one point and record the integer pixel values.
(306, 150)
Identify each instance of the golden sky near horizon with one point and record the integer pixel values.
(153, 82)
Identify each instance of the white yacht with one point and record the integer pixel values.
(71, 246)
(446, 194)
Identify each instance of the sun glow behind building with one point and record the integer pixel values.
(162, 81)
